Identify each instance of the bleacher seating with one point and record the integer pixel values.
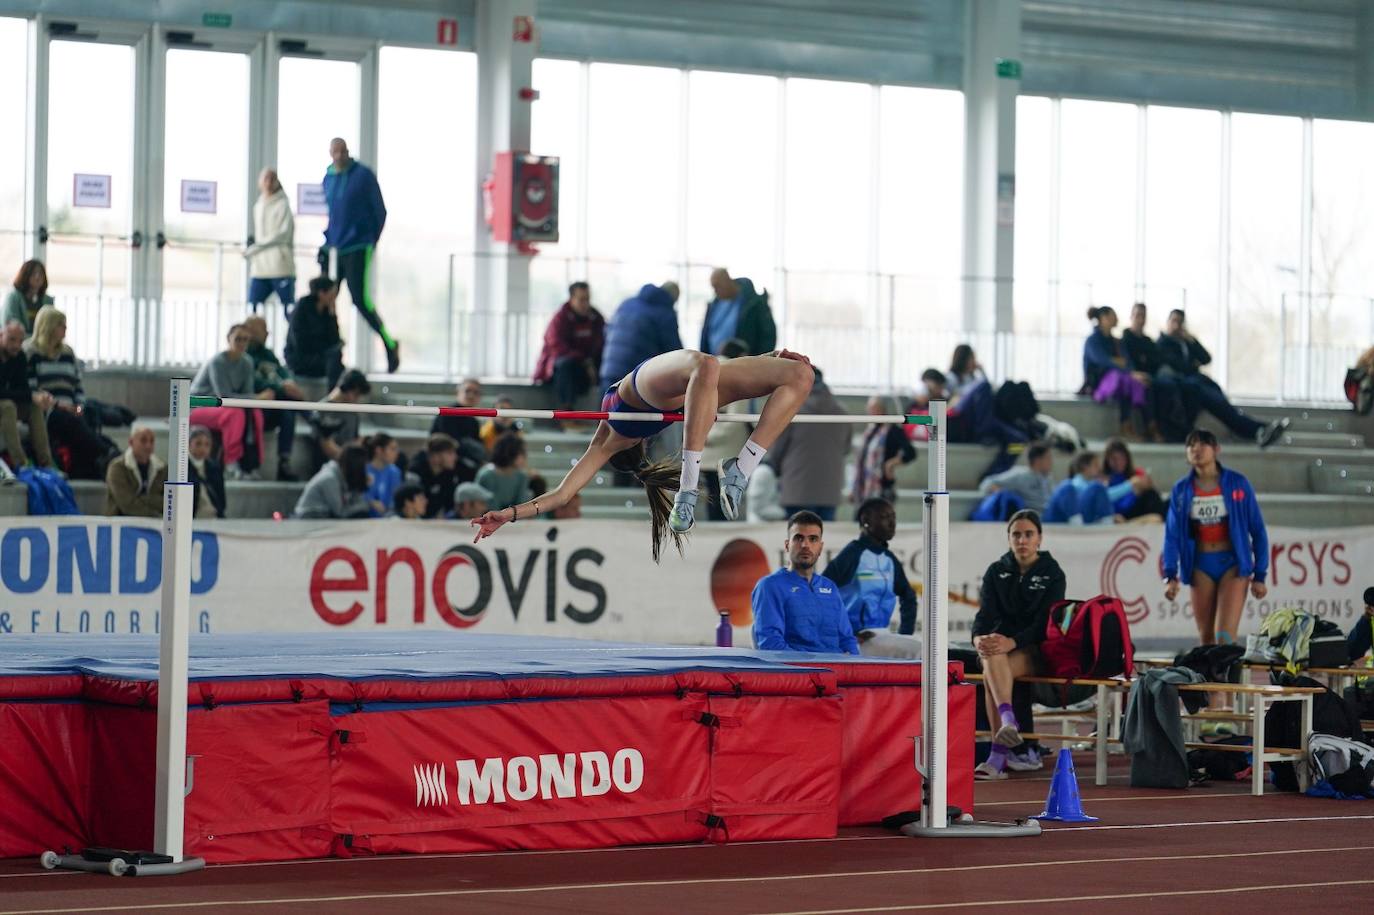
(1320, 475)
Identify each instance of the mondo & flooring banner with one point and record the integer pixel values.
(584, 578)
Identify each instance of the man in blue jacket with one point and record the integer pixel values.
(871, 579)
(356, 217)
(738, 312)
(641, 328)
(795, 609)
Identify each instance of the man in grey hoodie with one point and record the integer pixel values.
(809, 457)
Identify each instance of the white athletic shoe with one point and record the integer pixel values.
(733, 482)
(987, 772)
(684, 513)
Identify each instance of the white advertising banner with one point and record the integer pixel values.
(589, 579)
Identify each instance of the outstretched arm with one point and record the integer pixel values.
(574, 481)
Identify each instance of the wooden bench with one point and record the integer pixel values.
(1108, 721)
(1261, 697)
(1106, 716)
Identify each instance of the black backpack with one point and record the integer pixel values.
(1283, 723)
(1015, 402)
(1216, 663)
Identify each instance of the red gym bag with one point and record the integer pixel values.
(1088, 639)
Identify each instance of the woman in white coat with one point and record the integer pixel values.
(271, 256)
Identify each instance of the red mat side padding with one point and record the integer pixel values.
(43, 770)
(262, 782)
(775, 766)
(555, 774)
(879, 776)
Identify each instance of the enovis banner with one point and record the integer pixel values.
(585, 578)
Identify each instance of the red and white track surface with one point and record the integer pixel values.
(1210, 849)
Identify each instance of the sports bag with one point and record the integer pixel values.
(1346, 765)
(1283, 723)
(49, 494)
(1087, 639)
(1359, 390)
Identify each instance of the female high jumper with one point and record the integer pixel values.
(697, 385)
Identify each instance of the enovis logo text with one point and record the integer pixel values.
(522, 778)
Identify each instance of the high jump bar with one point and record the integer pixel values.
(325, 406)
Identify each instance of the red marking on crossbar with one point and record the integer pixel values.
(468, 411)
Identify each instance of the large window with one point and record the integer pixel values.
(732, 167)
(424, 164)
(556, 129)
(1182, 211)
(1097, 174)
(1342, 318)
(13, 111)
(206, 200)
(88, 255)
(634, 211)
(318, 100)
(1266, 253)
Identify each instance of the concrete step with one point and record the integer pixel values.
(1341, 479)
(1327, 440)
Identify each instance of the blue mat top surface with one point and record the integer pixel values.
(385, 656)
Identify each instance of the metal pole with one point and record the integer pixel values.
(174, 623)
(934, 634)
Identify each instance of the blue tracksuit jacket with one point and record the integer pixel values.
(1249, 536)
(356, 211)
(872, 581)
(791, 613)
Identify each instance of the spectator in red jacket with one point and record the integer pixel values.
(571, 357)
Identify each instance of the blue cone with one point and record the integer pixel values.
(1063, 804)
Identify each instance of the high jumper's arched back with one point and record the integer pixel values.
(698, 385)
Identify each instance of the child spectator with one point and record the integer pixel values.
(434, 469)
(470, 500)
(494, 428)
(1082, 498)
(409, 502)
(339, 489)
(332, 430)
(1130, 488)
(505, 477)
(230, 374)
(383, 476)
(206, 473)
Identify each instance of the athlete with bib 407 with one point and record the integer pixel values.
(1215, 540)
(698, 385)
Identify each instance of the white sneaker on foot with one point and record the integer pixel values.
(684, 512)
(733, 482)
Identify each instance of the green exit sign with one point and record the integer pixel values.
(1008, 68)
(216, 20)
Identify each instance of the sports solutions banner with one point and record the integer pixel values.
(585, 578)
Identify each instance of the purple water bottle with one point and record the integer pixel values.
(725, 633)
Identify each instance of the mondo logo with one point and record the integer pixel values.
(1128, 551)
(522, 778)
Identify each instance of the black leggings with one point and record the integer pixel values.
(355, 269)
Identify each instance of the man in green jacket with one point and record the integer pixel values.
(738, 312)
(270, 375)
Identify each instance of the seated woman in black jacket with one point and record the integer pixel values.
(1013, 607)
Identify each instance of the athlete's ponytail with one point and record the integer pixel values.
(660, 481)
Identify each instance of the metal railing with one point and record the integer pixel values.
(874, 331)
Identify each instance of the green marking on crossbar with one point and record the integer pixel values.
(203, 400)
(910, 420)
